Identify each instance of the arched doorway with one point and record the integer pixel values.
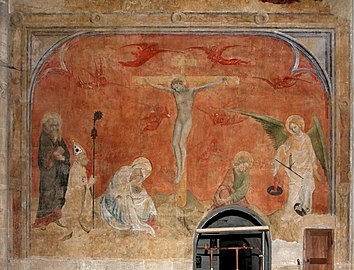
(232, 237)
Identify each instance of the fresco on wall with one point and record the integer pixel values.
(135, 137)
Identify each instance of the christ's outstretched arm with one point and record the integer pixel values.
(159, 86)
(209, 85)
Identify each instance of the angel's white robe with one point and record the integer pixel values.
(303, 157)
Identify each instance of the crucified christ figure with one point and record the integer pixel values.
(184, 97)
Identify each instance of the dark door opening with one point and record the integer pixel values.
(231, 238)
(245, 256)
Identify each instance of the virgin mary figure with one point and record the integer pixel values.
(126, 204)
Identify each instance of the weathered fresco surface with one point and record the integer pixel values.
(122, 75)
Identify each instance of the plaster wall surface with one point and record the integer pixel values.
(3, 134)
(342, 9)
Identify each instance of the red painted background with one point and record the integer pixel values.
(96, 80)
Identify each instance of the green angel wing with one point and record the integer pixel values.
(274, 128)
(319, 143)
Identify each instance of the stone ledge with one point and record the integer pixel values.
(157, 265)
(62, 264)
(182, 265)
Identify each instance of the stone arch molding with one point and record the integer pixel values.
(298, 49)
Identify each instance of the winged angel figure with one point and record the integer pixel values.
(298, 152)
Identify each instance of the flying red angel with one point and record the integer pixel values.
(283, 82)
(215, 55)
(222, 118)
(143, 53)
(155, 117)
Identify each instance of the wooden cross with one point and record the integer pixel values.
(190, 81)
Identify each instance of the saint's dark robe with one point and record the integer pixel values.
(54, 176)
